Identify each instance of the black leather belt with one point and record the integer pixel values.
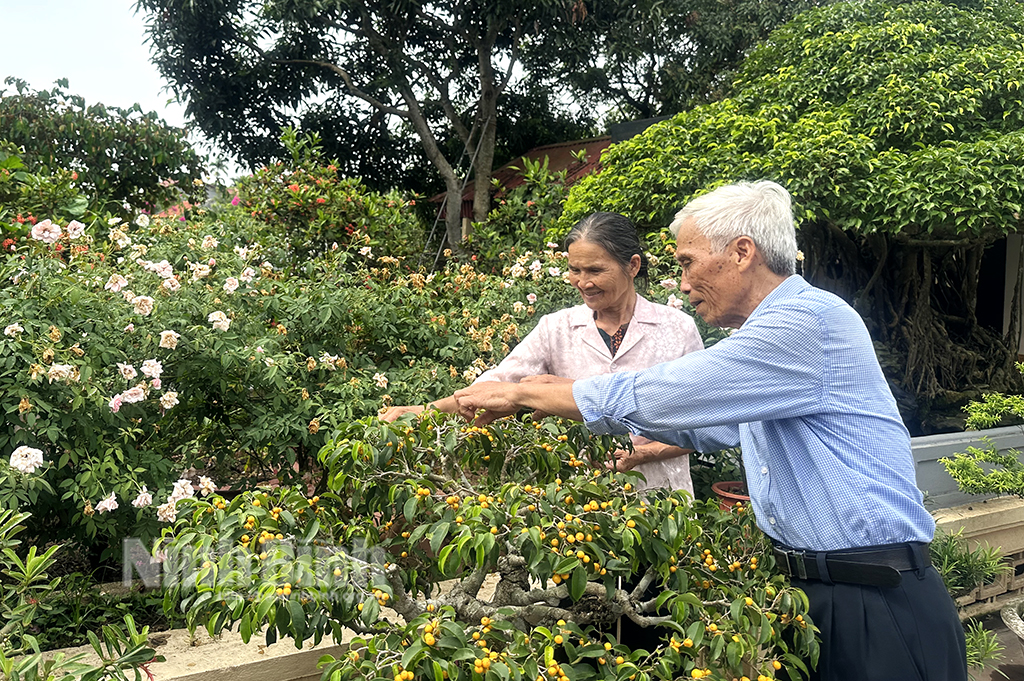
(870, 566)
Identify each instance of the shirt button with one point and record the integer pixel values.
(772, 520)
(613, 365)
(764, 470)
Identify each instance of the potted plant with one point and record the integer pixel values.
(720, 475)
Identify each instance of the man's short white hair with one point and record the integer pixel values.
(761, 210)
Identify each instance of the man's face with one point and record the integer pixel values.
(711, 280)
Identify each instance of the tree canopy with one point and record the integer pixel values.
(123, 158)
(656, 57)
(897, 126)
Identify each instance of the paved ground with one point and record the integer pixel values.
(1011, 666)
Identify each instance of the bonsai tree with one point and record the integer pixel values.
(421, 513)
(896, 127)
(1002, 473)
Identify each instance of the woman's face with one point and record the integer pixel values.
(600, 279)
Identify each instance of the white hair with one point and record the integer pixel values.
(761, 210)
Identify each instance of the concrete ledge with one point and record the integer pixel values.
(932, 476)
(227, 658)
(997, 522)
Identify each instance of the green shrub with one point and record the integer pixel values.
(122, 159)
(429, 499)
(310, 209)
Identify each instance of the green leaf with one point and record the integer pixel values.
(409, 510)
(578, 583)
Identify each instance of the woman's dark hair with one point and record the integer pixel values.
(616, 234)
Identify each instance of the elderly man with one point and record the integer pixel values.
(829, 468)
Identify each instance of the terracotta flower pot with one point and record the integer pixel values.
(729, 492)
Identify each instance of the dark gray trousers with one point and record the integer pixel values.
(907, 633)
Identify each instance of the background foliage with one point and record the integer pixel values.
(122, 159)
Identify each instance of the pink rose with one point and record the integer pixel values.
(46, 231)
(75, 229)
(115, 403)
(133, 395)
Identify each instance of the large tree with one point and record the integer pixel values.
(245, 67)
(899, 129)
(392, 85)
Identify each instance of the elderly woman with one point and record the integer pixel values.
(615, 329)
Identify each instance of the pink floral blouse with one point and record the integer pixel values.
(567, 343)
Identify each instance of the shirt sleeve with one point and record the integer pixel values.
(772, 368)
(528, 358)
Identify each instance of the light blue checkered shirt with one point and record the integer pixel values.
(827, 456)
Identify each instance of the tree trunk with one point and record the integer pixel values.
(453, 212)
(487, 115)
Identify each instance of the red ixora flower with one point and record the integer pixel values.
(8, 243)
(293, 187)
(321, 200)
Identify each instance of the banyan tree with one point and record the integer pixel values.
(899, 129)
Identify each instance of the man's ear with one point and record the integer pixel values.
(743, 252)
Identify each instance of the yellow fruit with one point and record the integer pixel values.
(619, 659)
(559, 639)
(777, 665)
(429, 639)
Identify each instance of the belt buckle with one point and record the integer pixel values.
(801, 568)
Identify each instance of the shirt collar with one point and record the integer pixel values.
(644, 312)
(790, 286)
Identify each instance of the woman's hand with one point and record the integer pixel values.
(392, 414)
(624, 460)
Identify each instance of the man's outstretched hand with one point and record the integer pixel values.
(486, 401)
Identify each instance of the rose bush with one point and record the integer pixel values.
(137, 353)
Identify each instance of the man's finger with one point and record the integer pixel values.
(485, 417)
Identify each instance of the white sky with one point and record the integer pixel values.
(96, 44)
